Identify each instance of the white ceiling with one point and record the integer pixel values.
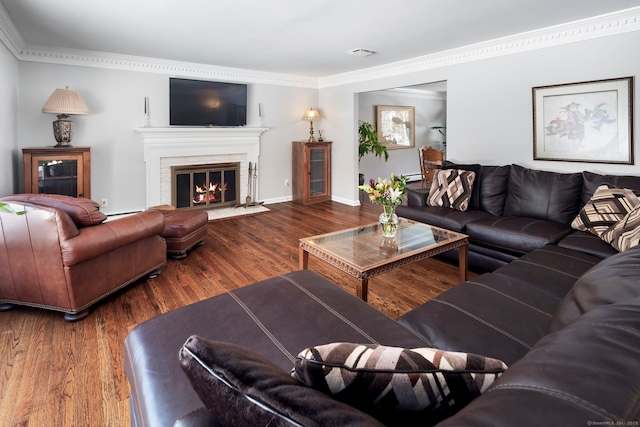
(287, 36)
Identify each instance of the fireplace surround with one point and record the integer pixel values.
(168, 147)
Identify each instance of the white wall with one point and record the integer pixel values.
(489, 106)
(10, 155)
(116, 100)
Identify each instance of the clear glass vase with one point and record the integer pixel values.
(389, 220)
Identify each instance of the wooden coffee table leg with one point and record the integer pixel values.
(362, 289)
(463, 262)
(303, 259)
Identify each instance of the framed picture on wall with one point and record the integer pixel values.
(584, 122)
(396, 126)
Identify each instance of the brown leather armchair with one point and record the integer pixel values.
(59, 254)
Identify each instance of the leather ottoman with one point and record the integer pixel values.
(183, 230)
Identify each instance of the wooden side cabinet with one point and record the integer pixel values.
(62, 170)
(311, 170)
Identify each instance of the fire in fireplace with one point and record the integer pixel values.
(205, 186)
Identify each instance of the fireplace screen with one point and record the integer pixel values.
(205, 186)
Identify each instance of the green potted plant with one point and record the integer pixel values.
(368, 143)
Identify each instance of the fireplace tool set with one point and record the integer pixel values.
(251, 187)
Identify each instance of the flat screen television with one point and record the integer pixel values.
(207, 103)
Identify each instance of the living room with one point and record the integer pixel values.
(488, 118)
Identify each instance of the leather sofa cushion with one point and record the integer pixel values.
(493, 188)
(516, 234)
(544, 195)
(583, 374)
(448, 218)
(83, 212)
(591, 181)
(244, 388)
(490, 315)
(551, 270)
(615, 279)
(588, 243)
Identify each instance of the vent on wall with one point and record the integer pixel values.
(360, 52)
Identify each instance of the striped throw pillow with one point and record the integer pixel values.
(451, 188)
(624, 234)
(394, 378)
(607, 206)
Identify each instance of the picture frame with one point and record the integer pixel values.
(589, 122)
(396, 126)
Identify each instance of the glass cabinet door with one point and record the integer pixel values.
(58, 177)
(317, 169)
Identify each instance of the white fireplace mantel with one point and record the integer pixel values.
(181, 142)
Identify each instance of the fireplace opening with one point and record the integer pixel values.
(205, 186)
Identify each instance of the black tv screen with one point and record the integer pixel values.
(206, 103)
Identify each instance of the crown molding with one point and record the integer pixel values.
(9, 34)
(620, 22)
(86, 58)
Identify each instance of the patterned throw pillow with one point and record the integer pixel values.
(243, 388)
(624, 234)
(451, 188)
(396, 379)
(607, 206)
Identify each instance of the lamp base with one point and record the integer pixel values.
(311, 138)
(62, 131)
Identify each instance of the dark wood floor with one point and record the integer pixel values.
(54, 373)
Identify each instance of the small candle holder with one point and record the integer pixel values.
(147, 113)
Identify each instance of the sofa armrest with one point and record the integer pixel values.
(417, 197)
(99, 239)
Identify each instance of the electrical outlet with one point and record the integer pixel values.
(104, 203)
(286, 182)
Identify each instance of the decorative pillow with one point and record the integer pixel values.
(607, 206)
(625, 233)
(474, 201)
(451, 188)
(396, 379)
(242, 388)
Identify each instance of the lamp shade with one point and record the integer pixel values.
(311, 115)
(65, 101)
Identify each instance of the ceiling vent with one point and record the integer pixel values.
(360, 52)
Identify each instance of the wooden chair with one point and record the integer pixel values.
(431, 161)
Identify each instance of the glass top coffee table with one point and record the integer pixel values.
(363, 252)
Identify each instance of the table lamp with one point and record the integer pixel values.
(64, 102)
(311, 115)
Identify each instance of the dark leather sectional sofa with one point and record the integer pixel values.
(561, 309)
(514, 210)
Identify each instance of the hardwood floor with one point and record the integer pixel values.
(54, 373)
